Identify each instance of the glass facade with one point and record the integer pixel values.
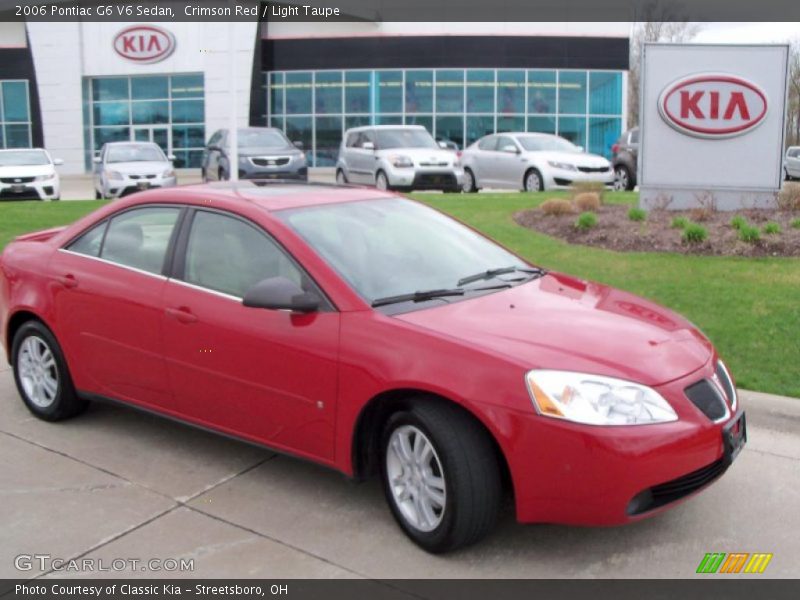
(460, 105)
(166, 109)
(15, 114)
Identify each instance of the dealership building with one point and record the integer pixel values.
(72, 86)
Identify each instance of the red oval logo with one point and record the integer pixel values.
(144, 43)
(713, 105)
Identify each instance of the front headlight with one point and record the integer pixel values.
(43, 177)
(114, 174)
(401, 162)
(562, 166)
(168, 173)
(596, 400)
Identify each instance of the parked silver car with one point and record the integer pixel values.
(123, 168)
(532, 162)
(791, 164)
(397, 157)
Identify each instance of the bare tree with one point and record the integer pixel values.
(653, 31)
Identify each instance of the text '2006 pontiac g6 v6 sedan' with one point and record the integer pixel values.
(374, 335)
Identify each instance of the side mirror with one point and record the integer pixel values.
(368, 146)
(298, 144)
(58, 162)
(510, 149)
(171, 157)
(279, 293)
(97, 160)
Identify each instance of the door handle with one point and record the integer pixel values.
(182, 315)
(68, 281)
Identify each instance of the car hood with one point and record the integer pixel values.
(579, 159)
(139, 167)
(269, 151)
(418, 155)
(558, 322)
(26, 171)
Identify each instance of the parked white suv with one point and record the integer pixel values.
(791, 164)
(29, 174)
(397, 157)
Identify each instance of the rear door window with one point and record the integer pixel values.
(139, 238)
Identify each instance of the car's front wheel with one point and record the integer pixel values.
(41, 374)
(440, 476)
(468, 183)
(381, 181)
(533, 181)
(622, 179)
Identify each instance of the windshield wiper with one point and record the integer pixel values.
(495, 272)
(417, 297)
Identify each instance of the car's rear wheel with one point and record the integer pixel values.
(341, 179)
(533, 181)
(41, 374)
(222, 175)
(468, 186)
(440, 476)
(381, 181)
(97, 195)
(622, 179)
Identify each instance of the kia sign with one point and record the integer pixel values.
(712, 125)
(713, 105)
(144, 44)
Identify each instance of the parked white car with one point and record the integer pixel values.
(126, 167)
(397, 157)
(531, 162)
(29, 174)
(791, 164)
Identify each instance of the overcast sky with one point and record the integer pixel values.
(748, 33)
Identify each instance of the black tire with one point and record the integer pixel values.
(622, 179)
(341, 178)
(65, 403)
(470, 472)
(388, 187)
(469, 187)
(97, 195)
(222, 175)
(526, 183)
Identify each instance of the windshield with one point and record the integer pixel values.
(395, 246)
(404, 138)
(535, 143)
(253, 138)
(19, 158)
(123, 154)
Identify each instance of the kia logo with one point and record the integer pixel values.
(144, 43)
(713, 105)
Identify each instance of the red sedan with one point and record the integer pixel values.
(373, 334)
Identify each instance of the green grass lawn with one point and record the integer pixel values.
(750, 308)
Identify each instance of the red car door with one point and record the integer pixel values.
(108, 304)
(266, 375)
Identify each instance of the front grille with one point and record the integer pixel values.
(435, 180)
(141, 176)
(433, 164)
(705, 396)
(27, 193)
(594, 169)
(676, 489)
(270, 162)
(13, 180)
(727, 384)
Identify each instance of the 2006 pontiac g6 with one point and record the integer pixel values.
(372, 334)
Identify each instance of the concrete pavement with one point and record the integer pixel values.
(118, 484)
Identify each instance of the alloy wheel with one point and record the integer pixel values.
(381, 182)
(533, 182)
(469, 182)
(620, 179)
(38, 372)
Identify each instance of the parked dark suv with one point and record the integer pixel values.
(625, 155)
(264, 153)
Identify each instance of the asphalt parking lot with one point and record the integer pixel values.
(115, 483)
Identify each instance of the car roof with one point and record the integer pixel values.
(366, 127)
(132, 144)
(271, 195)
(21, 149)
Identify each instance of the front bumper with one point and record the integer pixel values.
(587, 475)
(419, 178)
(299, 174)
(49, 189)
(118, 188)
(562, 178)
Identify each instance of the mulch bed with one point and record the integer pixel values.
(614, 231)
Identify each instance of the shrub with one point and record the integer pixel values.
(586, 221)
(637, 214)
(789, 197)
(557, 206)
(680, 223)
(738, 222)
(749, 234)
(694, 233)
(587, 201)
(701, 213)
(580, 187)
(772, 228)
(795, 224)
